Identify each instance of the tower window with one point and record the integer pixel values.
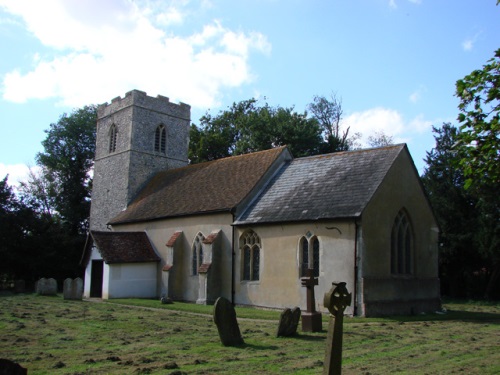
(113, 132)
(160, 139)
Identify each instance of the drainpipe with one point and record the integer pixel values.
(232, 263)
(356, 268)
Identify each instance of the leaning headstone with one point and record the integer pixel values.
(46, 287)
(7, 367)
(227, 325)
(289, 320)
(336, 301)
(73, 289)
(19, 286)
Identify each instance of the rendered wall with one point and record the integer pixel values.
(134, 280)
(182, 284)
(382, 292)
(279, 285)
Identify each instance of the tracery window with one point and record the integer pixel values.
(402, 245)
(197, 253)
(308, 258)
(160, 139)
(250, 248)
(113, 133)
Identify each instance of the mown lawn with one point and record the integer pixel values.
(48, 335)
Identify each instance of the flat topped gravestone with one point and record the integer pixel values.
(227, 325)
(311, 319)
(336, 300)
(289, 320)
(7, 367)
(46, 287)
(73, 289)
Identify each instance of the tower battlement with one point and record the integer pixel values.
(141, 99)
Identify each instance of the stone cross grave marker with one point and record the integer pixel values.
(46, 287)
(311, 319)
(227, 325)
(73, 289)
(289, 320)
(336, 300)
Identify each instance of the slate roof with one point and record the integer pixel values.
(331, 186)
(214, 186)
(122, 247)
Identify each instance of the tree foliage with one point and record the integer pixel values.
(248, 126)
(66, 161)
(479, 141)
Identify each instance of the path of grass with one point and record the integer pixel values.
(51, 336)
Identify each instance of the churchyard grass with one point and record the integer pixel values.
(49, 335)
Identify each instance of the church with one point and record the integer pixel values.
(248, 227)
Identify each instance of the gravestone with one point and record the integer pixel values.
(7, 367)
(289, 320)
(227, 325)
(19, 286)
(73, 289)
(311, 319)
(46, 287)
(336, 300)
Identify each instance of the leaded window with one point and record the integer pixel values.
(308, 258)
(250, 249)
(197, 254)
(160, 139)
(402, 245)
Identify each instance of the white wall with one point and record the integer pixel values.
(94, 255)
(134, 280)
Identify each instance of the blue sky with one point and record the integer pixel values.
(394, 63)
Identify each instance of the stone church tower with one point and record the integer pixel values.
(137, 136)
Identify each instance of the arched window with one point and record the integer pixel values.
(113, 132)
(197, 253)
(250, 249)
(160, 139)
(402, 245)
(308, 258)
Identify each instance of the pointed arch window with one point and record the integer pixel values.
(250, 249)
(309, 254)
(113, 134)
(160, 139)
(402, 245)
(197, 253)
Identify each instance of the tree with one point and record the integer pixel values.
(479, 141)
(380, 139)
(328, 113)
(479, 146)
(457, 214)
(248, 126)
(66, 162)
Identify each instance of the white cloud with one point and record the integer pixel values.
(126, 45)
(392, 4)
(387, 121)
(469, 42)
(16, 172)
(416, 95)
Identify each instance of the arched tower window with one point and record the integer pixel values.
(402, 245)
(160, 139)
(197, 253)
(250, 251)
(309, 254)
(113, 133)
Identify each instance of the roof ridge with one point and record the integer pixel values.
(337, 153)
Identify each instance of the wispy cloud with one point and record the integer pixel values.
(468, 43)
(416, 95)
(126, 45)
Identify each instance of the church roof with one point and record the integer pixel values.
(331, 186)
(215, 186)
(122, 247)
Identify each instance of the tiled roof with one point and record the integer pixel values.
(171, 241)
(218, 185)
(124, 247)
(210, 239)
(337, 185)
